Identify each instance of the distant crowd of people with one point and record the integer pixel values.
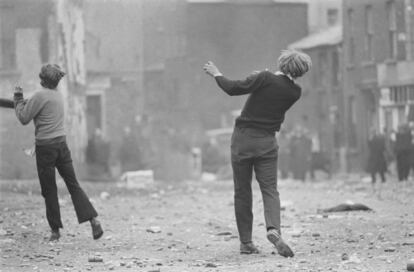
(388, 147)
(99, 154)
(300, 155)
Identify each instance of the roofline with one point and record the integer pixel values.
(230, 2)
(337, 40)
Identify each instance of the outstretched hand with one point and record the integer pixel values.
(211, 69)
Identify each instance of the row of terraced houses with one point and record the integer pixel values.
(361, 79)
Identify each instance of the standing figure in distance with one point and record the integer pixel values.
(403, 142)
(254, 146)
(376, 158)
(46, 109)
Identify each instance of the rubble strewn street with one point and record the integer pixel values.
(190, 226)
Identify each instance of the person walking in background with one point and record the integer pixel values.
(319, 159)
(403, 142)
(46, 109)
(129, 152)
(254, 145)
(377, 161)
(301, 152)
(283, 154)
(389, 147)
(98, 153)
(411, 128)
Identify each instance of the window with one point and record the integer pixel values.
(332, 16)
(392, 29)
(352, 121)
(335, 68)
(351, 41)
(7, 37)
(319, 72)
(94, 112)
(369, 32)
(322, 67)
(402, 94)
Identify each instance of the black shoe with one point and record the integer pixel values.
(54, 236)
(282, 248)
(97, 231)
(248, 248)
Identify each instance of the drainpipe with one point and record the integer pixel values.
(409, 29)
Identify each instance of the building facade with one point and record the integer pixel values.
(114, 63)
(33, 33)
(378, 48)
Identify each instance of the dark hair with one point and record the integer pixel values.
(50, 75)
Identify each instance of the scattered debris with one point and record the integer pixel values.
(95, 259)
(104, 195)
(224, 233)
(347, 207)
(390, 249)
(408, 243)
(154, 229)
(210, 265)
(138, 179)
(353, 259)
(3, 232)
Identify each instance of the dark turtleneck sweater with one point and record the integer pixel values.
(270, 96)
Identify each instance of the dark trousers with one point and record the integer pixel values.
(57, 155)
(403, 164)
(374, 174)
(254, 150)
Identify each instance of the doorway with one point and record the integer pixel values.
(94, 112)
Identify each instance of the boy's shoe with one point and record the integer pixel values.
(282, 248)
(97, 230)
(54, 236)
(248, 248)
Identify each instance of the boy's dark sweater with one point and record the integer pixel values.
(271, 95)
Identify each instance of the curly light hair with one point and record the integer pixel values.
(294, 63)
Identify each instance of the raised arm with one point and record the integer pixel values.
(234, 87)
(6, 103)
(27, 109)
